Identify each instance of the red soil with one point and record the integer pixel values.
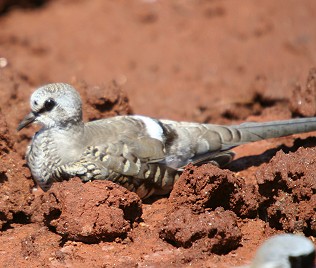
(206, 61)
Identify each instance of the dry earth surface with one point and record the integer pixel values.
(219, 61)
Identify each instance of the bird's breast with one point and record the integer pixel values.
(68, 146)
(50, 149)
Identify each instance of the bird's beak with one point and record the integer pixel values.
(26, 121)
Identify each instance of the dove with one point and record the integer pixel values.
(143, 154)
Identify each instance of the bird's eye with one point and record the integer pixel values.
(49, 105)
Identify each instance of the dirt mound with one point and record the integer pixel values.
(288, 191)
(104, 211)
(208, 187)
(213, 231)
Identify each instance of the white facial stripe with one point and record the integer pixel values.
(153, 129)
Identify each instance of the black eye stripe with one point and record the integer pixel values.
(48, 106)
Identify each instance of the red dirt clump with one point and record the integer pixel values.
(209, 187)
(104, 100)
(212, 231)
(288, 191)
(88, 212)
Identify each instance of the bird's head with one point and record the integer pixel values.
(54, 105)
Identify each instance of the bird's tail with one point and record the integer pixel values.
(200, 143)
(250, 132)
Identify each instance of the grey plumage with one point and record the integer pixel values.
(143, 154)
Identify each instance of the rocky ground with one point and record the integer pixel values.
(219, 61)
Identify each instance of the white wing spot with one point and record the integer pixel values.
(154, 130)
